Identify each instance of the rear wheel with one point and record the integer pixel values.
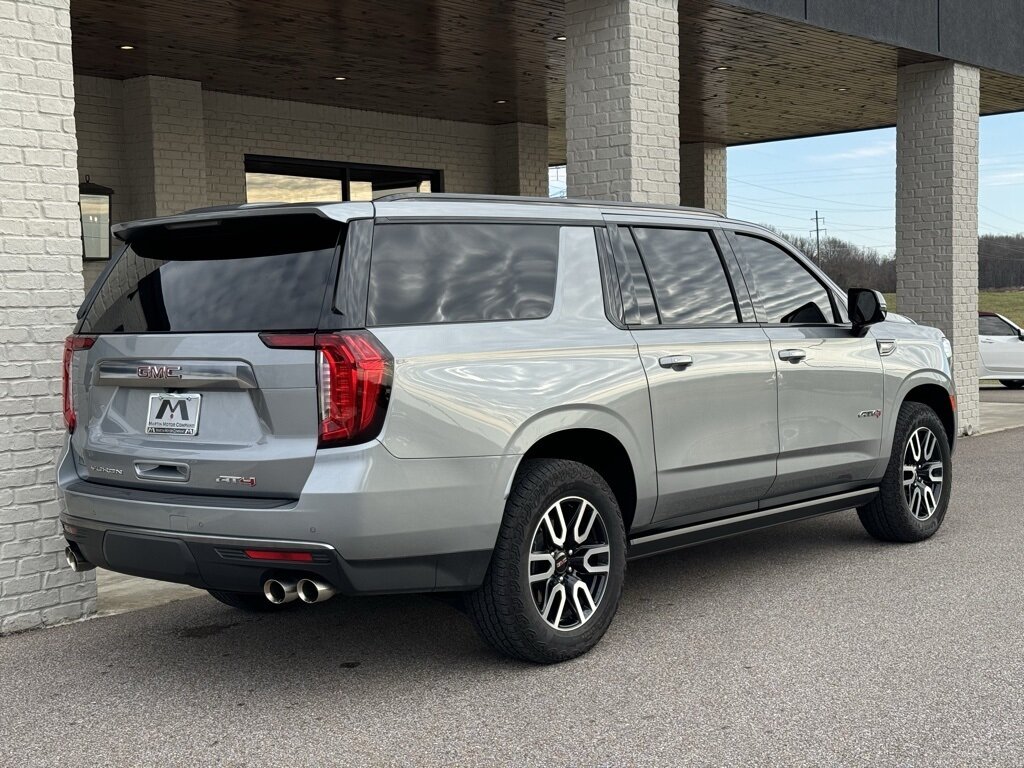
(247, 601)
(557, 570)
(1012, 383)
(914, 493)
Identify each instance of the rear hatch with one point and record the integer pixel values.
(173, 387)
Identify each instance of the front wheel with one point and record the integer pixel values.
(1012, 383)
(558, 565)
(914, 493)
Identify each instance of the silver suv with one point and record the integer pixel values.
(503, 397)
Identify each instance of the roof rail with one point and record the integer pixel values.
(455, 196)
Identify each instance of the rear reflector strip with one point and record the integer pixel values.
(280, 555)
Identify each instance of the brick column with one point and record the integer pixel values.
(702, 171)
(40, 288)
(622, 99)
(521, 159)
(165, 146)
(937, 212)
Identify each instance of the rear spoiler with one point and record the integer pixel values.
(211, 217)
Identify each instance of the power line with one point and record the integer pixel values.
(810, 197)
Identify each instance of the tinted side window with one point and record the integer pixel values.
(994, 326)
(637, 299)
(788, 292)
(689, 280)
(459, 273)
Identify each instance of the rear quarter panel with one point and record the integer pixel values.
(496, 388)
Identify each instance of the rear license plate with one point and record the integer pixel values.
(173, 414)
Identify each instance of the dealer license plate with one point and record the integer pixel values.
(173, 414)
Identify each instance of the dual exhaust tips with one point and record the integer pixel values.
(283, 590)
(277, 591)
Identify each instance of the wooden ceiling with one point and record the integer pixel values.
(456, 59)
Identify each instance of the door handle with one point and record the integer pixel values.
(792, 355)
(676, 362)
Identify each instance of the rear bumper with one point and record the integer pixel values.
(219, 562)
(376, 523)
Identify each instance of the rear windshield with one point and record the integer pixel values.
(255, 274)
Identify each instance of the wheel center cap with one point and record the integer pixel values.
(561, 562)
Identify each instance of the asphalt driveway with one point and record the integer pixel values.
(808, 644)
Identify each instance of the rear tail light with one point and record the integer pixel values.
(353, 382)
(72, 344)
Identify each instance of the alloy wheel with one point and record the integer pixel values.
(923, 473)
(569, 562)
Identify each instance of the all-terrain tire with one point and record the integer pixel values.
(504, 609)
(888, 517)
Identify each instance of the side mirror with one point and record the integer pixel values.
(866, 307)
(1020, 335)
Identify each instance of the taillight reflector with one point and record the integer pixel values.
(283, 555)
(354, 374)
(72, 344)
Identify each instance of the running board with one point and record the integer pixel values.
(687, 536)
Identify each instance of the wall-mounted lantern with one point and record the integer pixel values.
(94, 201)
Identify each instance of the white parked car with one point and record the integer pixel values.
(1001, 350)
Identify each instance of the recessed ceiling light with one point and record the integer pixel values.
(842, 90)
(501, 101)
(722, 68)
(339, 78)
(561, 38)
(127, 47)
(746, 133)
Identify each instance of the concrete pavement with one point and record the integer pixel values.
(1001, 408)
(807, 644)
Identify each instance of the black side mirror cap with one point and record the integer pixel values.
(866, 307)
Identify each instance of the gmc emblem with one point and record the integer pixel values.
(159, 371)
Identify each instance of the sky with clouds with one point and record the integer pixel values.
(850, 180)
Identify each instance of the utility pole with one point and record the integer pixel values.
(818, 221)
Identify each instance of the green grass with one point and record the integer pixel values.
(1007, 303)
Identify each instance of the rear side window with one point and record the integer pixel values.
(253, 274)
(461, 273)
(788, 292)
(690, 284)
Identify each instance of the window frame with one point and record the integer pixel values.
(367, 269)
(731, 236)
(335, 170)
(740, 299)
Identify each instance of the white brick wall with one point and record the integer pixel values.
(937, 212)
(99, 108)
(165, 145)
(239, 125)
(703, 176)
(521, 159)
(40, 286)
(622, 99)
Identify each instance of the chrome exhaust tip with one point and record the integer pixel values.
(313, 591)
(279, 591)
(76, 562)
